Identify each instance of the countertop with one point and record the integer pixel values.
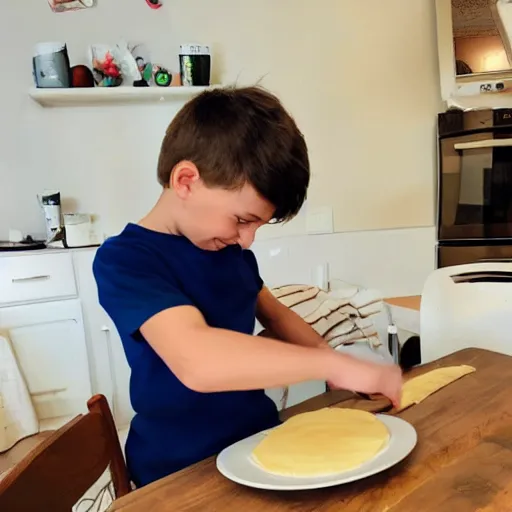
(411, 302)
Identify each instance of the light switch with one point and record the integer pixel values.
(319, 219)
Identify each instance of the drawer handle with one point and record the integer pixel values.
(30, 279)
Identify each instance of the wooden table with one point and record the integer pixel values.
(463, 460)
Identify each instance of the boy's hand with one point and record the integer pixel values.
(366, 377)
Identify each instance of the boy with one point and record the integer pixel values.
(184, 290)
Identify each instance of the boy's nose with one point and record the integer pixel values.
(246, 237)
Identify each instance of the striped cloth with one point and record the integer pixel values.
(342, 317)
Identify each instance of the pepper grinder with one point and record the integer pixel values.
(393, 341)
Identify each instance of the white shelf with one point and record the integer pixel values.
(81, 97)
(482, 101)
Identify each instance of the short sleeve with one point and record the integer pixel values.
(251, 261)
(131, 289)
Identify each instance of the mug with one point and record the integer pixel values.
(51, 66)
(195, 65)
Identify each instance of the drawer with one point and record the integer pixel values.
(36, 277)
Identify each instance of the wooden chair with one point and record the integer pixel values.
(58, 472)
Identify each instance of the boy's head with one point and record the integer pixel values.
(233, 160)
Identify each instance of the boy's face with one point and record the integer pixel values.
(213, 218)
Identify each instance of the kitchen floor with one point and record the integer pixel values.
(11, 457)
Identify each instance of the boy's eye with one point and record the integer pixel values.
(241, 221)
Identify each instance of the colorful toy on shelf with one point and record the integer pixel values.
(106, 71)
(142, 58)
(162, 77)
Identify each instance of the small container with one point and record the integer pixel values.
(51, 66)
(78, 228)
(195, 65)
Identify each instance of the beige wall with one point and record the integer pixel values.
(361, 79)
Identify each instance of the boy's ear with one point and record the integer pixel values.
(184, 175)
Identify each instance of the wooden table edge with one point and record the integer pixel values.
(132, 498)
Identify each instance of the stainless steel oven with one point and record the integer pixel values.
(475, 186)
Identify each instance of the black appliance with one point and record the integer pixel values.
(474, 219)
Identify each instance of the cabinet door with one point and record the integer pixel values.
(120, 374)
(49, 344)
(109, 368)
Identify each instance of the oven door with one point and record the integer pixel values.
(475, 187)
(449, 255)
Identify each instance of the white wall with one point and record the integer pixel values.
(395, 262)
(360, 77)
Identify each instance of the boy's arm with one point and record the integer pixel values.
(284, 324)
(206, 359)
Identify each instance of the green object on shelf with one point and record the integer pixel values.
(147, 72)
(163, 78)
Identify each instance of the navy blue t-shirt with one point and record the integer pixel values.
(142, 272)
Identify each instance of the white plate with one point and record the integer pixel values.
(235, 462)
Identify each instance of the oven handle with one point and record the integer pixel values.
(481, 144)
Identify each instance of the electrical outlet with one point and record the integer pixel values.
(319, 220)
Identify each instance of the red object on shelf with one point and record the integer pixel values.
(154, 4)
(82, 76)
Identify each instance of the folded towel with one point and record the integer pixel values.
(373, 341)
(362, 302)
(18, 417)
(325, 309)
(349, 310)
(300, 296)
(364, 298)
(371, 309)
(344, 291)
(356, 336)
(341, 329)
(290, 289)
(304, 309)
(363, 323)
(341, 316)
(334, 321)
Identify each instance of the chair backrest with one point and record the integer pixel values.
(58, 472)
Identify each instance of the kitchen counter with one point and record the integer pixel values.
(411, 302)
(461, 462)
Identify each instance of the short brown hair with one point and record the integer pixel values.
(236, 136)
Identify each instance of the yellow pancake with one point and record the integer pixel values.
(321, 443)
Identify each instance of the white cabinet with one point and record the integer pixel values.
(36, 277)
(110, 370)
(49, 344)
(66, 345)
(120, 374)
